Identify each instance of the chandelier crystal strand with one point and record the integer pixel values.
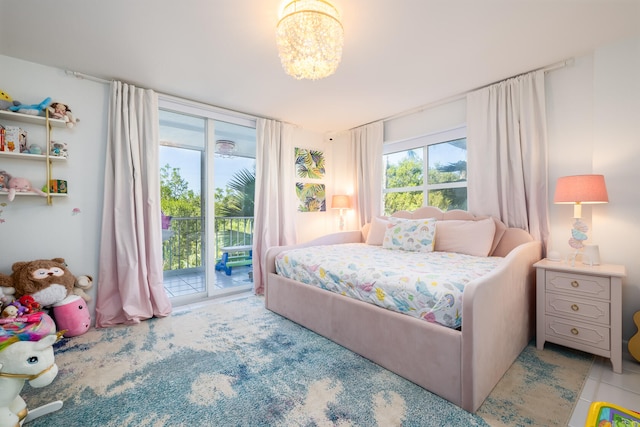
(310, 38)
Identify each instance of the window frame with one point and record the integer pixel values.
(423, 142)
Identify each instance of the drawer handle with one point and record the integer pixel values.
(575, 307)
(575, 283)
(574, 331)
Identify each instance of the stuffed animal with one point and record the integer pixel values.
(29, 303)
(59, 149)
(35, 149)
(6, 290)
(4, 181)
(82, 284)
(26, 354)
(47, 281)
(33, 109)
(6, 101)
(58, 110)
(21, 307)
(10, 311)
(22, 185)
(72, 316)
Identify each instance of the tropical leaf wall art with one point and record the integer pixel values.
(309, 163)
(312, 197)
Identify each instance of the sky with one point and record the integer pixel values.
(188, 161)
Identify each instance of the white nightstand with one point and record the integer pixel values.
(580, 307)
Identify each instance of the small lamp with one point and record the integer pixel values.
(341, 202)
(579, 190)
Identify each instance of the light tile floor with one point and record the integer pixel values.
(185, 284)
(603, 385)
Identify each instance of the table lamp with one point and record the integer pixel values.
(341, 202)
(579, 190)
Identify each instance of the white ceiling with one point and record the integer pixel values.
(398, 54)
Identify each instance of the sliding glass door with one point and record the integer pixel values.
(207, 171)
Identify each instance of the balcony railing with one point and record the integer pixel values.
(183, 246)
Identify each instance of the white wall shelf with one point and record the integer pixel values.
(47, 159)
(28, 118)
(26, 156)
(19, 194)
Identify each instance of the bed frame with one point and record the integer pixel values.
(462, 366)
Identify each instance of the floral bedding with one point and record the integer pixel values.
(425, 285)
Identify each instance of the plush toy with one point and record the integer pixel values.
(4, 181)
(10, 311)
(59, 149)
(47, 281)
(6, 101)
(58, 110)
(22, 185)
(72, 316)
(30, 305)
(20, 310)
(35, 149)
(83, 283)
(26, 354)
(33, 109)
(6, 290)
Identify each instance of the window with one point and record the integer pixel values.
(444, 158)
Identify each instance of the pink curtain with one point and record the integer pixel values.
(275, 210)
(130, 279)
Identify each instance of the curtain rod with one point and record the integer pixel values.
(83, 76)
(173, 98)
(458, 96)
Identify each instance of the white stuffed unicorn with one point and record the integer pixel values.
(24, 357)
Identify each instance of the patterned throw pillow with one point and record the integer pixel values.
(410, 234)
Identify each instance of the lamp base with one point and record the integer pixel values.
(578, 234)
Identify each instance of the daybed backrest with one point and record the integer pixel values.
(505, 238)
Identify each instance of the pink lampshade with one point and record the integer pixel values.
(341, 202)
(581, 189)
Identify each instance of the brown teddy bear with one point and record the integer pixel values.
(47, 281)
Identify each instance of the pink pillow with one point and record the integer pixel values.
(465, 237)
(376, 231)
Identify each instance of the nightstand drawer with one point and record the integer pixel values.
(577, 308)
(568, 331)
(578, 284)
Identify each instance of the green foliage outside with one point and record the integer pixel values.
(185, 248)
(409, 173)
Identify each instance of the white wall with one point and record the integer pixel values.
(310, 225)
(594, 127)
(593, 111)
(32, 229)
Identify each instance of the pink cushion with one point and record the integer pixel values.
(377, 230)
(465, 237)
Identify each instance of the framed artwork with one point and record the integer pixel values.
(312, 197)
(309, 163)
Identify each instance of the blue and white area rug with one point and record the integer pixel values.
(235, 363)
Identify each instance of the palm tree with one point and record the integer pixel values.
(240, 194)
(238, 204)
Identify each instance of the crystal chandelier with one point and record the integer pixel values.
(310, 37)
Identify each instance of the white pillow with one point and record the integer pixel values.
(465, 237)
(410, 234)
(377, 230)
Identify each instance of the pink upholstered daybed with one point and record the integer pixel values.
(460, 364)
